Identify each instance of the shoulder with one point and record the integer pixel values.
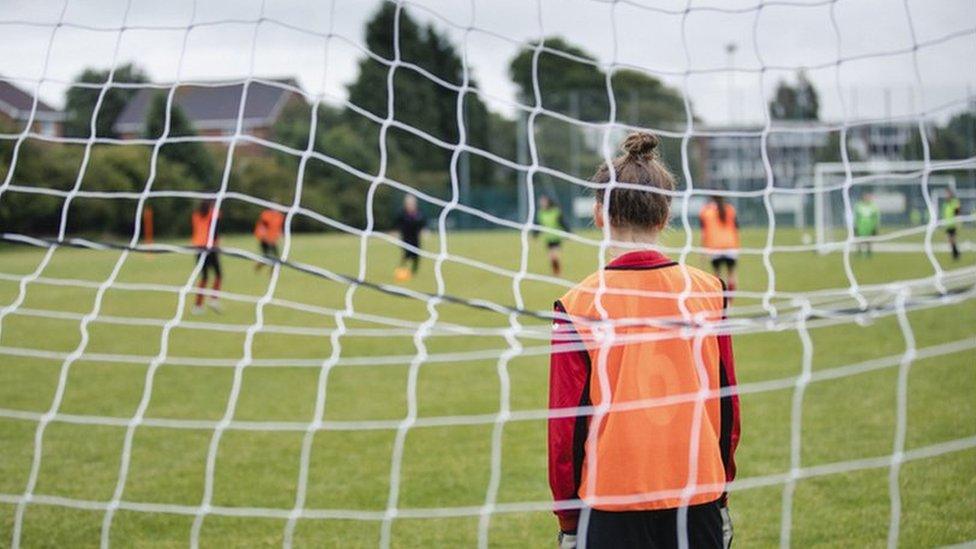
(582, 288)
(703, 278)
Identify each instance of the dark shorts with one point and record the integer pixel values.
(554, 244)
(211, 262)
(657, 529)
(720, 260)
(951, 231)
(269, 250)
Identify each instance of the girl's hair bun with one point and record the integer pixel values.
(640, 145)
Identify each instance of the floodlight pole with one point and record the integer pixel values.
(730, 50)
(522, 157)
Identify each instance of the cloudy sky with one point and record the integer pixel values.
(874, 38)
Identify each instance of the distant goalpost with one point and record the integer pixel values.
(908, 193)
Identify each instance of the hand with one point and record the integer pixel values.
(727, 532)
(567, 540)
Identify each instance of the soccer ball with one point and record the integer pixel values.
(401, 274)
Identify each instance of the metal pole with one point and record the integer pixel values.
(522, 156)
(730, 49)
(465, 174)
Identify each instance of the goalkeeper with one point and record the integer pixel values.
(202, 218)
(867, 219)
(636, 463)
(550, 219)
(268, 230)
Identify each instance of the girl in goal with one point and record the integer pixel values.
(643, 455)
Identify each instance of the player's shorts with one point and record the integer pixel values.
(659, 528)
(951, 231)
(211, 262)
(269, 250)
(554, 244)
(726, 257)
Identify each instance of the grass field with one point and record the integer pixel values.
(844, 418)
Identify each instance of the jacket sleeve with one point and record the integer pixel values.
(729, 403)
(569, 375)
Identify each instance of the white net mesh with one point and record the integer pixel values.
(487, 306)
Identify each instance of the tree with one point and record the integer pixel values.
(799, 102)
(80, 101)
(192, 154)
(571, 83)
(953, 141)
(419, 101)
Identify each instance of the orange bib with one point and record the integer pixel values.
(716, 233)
(641, 457)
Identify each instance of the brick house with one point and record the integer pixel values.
(213, 108)
(15, 110)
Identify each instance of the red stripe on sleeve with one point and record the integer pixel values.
(730, 405)
(569, 372)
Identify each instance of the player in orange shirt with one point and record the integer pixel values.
(639, 455)
(268, 230)
(200, 221)
(720, 237)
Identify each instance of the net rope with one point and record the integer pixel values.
(777, 309)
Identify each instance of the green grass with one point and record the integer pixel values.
(844, 419)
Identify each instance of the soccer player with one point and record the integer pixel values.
(550, 216)
(201, 219)
(410, 223)
(720, 236)
(268, 230)
(950, 210)
(638, 463)
(867, 219)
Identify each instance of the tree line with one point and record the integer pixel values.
(433, 99)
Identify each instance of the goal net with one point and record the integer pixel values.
(358, 381)
(910, 196)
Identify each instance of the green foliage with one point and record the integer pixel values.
(799, 102)
(955, 140)
(831, 151)
(418, 101)
(574, 85)
(109, 169)
(192, 154)
(80, 101)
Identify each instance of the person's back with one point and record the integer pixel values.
(200, 221)
(269, 226)
(551, 218)
(867, 217)
(950, 209)
(648, 451)
(637, 353)
(719, 226)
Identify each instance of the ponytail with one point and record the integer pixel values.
(720, 204)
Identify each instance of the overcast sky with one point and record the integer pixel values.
(637, 33)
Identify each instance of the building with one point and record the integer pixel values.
(15, 110)
(213, 108)
(731, 158)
